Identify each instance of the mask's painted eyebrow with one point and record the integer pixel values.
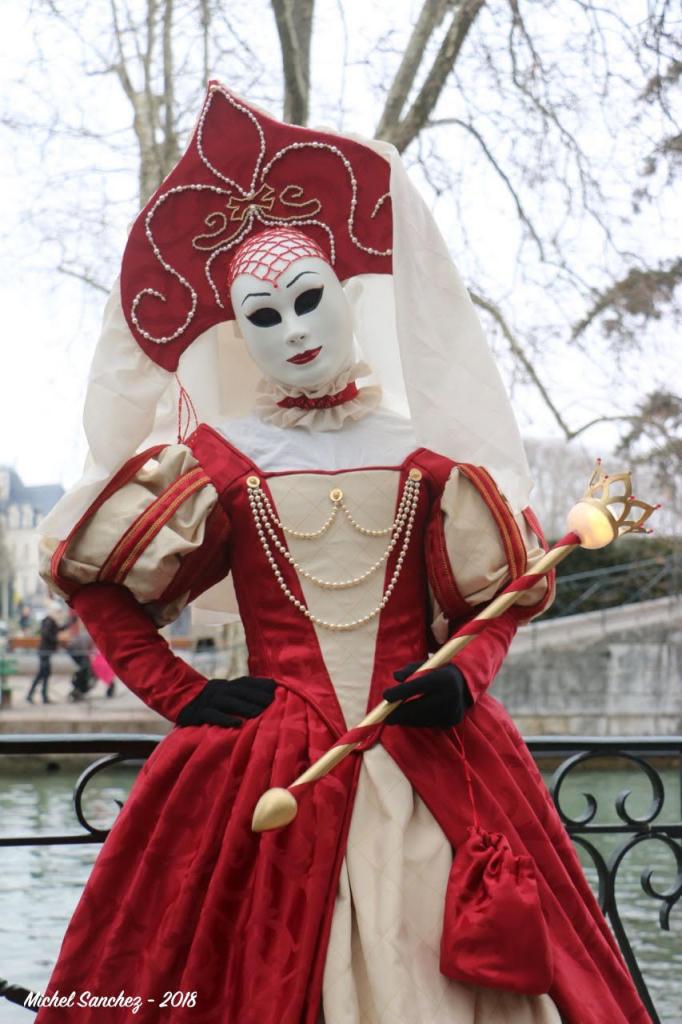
(299, 275)
(253, 295)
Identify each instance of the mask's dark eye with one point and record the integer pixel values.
(307, 301)
(265, 317)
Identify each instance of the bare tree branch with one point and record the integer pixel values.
(344, 61)
(121, 68)
(523, 358)
(170, 147)
(294, 20)
(639, 293)
(430, 17)
(84, 277)
(205, 12)
(403, 132)
(523, 216)
(146, 105)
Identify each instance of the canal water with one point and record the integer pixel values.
(40, 885)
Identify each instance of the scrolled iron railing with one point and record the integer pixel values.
(567, 755)
(579, 752)
(117, 748)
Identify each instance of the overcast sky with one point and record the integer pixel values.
(50, 326)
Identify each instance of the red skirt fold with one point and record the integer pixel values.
(185, 897)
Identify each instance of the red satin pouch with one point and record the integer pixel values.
(494, 931)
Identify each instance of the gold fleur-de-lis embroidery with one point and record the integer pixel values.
(263, 199)
(242, 208)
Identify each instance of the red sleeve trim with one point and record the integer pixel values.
(141, 533)
(530, 611)
(510, 534)
(443, 583)
(124, 474)
(534, 524)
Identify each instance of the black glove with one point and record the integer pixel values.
(445, 699)
(222, 699)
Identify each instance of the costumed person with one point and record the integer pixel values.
(103, 671)
(357, 470)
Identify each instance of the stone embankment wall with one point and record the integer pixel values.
(612, 673)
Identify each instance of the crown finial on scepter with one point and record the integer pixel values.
(605, 511)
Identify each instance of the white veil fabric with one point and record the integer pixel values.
(416, 327)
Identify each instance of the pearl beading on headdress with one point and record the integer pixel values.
(265, 520)
(171, 270)
(353, 184)
(252, 213)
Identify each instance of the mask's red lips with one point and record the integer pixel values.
(305, 357)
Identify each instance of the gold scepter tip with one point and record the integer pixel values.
(276, 808)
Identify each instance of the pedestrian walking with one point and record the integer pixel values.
(48, 644)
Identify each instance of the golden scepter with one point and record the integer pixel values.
(592, 523)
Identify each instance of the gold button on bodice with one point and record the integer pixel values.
(336, 494)
(253, 481)
(415, 474)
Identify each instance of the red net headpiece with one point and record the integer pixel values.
(267, 254)
(242, 172)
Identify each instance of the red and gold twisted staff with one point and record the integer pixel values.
(592, 524)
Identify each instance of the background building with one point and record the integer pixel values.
(22, 507)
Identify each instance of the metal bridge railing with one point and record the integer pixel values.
(621, 584)
(567, 755)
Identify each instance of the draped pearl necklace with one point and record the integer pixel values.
(400, 531)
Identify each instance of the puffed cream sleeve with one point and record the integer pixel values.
(482, 547)
(158, 530)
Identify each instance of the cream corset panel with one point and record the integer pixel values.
(141, 533)
(351, 548)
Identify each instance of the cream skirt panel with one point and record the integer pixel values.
(383, 960)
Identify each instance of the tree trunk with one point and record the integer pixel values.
(144, 120)
(402, 132)
(294, 19)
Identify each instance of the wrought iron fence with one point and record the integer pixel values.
(568, 756)
(632, 831)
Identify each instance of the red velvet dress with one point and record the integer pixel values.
(185, 897)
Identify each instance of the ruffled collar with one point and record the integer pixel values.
(329, 405)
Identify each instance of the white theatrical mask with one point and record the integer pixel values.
(298, 329)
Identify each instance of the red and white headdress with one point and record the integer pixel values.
(243, 176)
(242, 172)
